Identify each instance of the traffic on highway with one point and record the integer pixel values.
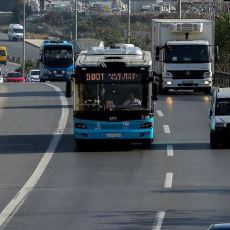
(174, 178)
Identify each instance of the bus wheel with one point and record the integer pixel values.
(147, 143)
(80, 146)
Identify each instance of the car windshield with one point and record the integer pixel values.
(35, 72)
(14, 75)
(223, 106)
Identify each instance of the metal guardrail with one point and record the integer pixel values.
(221, 79)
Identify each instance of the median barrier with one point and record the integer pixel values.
(221, 79)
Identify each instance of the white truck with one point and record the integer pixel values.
(183, 54)
(15, 32)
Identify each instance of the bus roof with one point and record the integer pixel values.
(56, 42)
(127, 54)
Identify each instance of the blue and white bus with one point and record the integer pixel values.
(56, 60)
(114, 93)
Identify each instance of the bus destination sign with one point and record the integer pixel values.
(113, 77)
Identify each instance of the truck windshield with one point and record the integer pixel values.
(58, 56)
(187, 54)
(113, 96)
(18, 31)
(223, 107)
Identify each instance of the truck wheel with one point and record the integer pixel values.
(213, 141)
(207, 91)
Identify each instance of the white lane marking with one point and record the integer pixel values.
(13, 206)
(170, 150)
(159, 113)
(159, 220)
(166, 128)
(168, 180)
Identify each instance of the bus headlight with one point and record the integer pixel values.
(63, 72)
(147, 125)
(54, 72)
(80, 126)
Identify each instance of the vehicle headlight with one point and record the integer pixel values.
(54, 72)
(63, 71)
(219, 125)
(168, 82)
(207, 75)
(80, 126)
(207, 82)
(147, 125)
(168, 74)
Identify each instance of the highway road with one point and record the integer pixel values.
(179, 184)
(15, 48)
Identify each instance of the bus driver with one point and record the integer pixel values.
(132, 100)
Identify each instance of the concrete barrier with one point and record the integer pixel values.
(221, 79)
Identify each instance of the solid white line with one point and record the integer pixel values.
(170, 150)
(166, 128)
(159, 113)
(13, 206)
(168, 180)
(159, 220)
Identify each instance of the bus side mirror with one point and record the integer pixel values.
(157, 53)
(40, 60)
(210, 113)
(68, 91)
(154, 91)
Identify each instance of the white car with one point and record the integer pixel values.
(220, 117)
(34, 75)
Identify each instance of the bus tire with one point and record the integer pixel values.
(147, 143)
(213, 141)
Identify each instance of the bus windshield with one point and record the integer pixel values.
(58, 56)
(114, 96)
(187, 54)
(2, 53)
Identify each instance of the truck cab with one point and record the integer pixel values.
(183, 54)
(15, 32)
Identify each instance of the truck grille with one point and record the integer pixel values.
(188, 74)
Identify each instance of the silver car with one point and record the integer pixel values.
(34, 75)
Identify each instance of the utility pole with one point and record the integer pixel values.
(128, 29)
(75, 20)
(179, 8)
(24, 37)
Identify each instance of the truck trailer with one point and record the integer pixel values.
(183, 54)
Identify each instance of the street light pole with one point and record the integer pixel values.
(24, 37)
(75, 20)
(179, 8)
(128, 29)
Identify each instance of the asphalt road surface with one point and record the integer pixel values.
(179, 184)
(15, 48)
